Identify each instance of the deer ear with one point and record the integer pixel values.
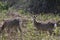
(34, 15)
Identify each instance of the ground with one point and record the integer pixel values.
(29, 31)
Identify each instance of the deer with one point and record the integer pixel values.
(10, 24)
(13, 23)
(44, 26)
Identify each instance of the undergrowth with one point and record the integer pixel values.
(31, 33)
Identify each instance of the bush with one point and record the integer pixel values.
(3, 6)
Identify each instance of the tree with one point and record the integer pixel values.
(46, 6)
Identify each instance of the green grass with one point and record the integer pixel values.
(31, 33)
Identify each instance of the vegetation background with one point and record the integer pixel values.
(45, 9)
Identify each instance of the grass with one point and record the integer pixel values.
(31, 33)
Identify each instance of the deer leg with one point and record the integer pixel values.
(8, 30)
(21, 33)
(20, 29)
(2, 28)
(16, 28)
(50, 32)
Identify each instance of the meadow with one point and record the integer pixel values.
(29, 31)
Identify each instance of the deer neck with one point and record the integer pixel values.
(35, 21)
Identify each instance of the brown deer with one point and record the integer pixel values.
(10, 24)
(44, 26)
(13, 23)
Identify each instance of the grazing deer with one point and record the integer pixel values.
(44, 26)
(13, 23)
(10, 24)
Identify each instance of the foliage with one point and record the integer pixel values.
(46, 6)
(30, 32)
(3, 6)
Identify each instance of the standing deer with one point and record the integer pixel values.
(44, 26)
